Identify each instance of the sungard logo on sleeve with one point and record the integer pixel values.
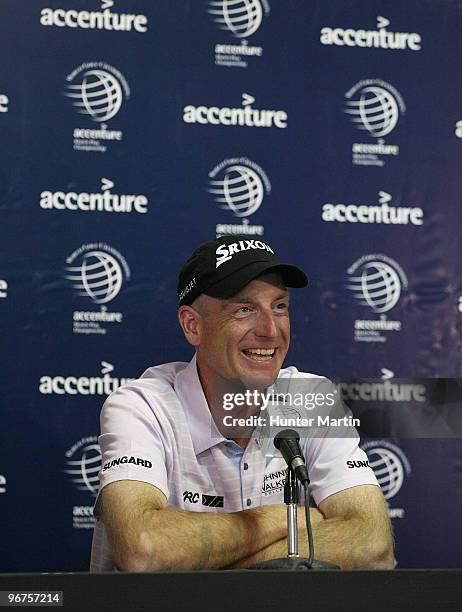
(2, 483)
(375, 107)
(373, 213)
(357, 464)
(225, 252)
(98, 90)
(376, 281)
(3, 288)
(245, 116)
(126, 459)
(390, 466)
(94, 20)
(380, 38)
(96, 271)
(104, 201)
(82, 385)
(241, 19)
(239, 185)
(4, 101)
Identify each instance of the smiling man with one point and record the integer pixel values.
(178, 490)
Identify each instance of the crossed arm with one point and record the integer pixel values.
(351, 528)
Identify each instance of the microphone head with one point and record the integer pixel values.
(286, 434)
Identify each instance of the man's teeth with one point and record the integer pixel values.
(260, 351)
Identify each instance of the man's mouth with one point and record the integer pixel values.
(259, 354)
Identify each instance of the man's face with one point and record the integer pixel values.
(245, 337)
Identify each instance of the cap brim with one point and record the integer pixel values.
(232, 284)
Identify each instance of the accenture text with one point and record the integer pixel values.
(384, 391)
(247, 116)
(93, 20)
(71, 385)
(379, 39)
(393, 215)
(94, 202)
(83, 385)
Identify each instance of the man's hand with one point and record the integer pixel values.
(147, 535)
(351, 529)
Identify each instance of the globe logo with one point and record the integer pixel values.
(99, 276)
(240, 17)
(376, 111)
(377, 286)
(84, 471)
(241, 190)
(388, 470)
(99, 95)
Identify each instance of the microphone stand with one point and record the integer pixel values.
(293, 561)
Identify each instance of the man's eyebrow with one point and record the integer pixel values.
(245, 299)
(239, 299)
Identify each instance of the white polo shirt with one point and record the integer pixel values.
(158, 429)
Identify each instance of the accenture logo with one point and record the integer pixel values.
(100, 272)
(374, 106)
(377, 281)
(94, 20)
(245, 116)
(391, 467)
(380, 38)
(373, 213)
(241, 18)
(239, 185)
(83, 464)
(82, 385)
(382, 391)
(104, 201)
(98, 90)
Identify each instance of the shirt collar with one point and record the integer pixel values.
(202, 427)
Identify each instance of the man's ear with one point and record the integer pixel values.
(190, 321)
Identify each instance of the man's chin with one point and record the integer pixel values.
(259, 380)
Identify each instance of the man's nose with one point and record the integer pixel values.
(266, 325)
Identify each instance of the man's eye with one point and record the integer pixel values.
(282, 306)
(244, 309)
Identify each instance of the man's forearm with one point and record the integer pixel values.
(173, 539)
(345, 542)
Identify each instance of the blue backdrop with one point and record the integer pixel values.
(133, 130)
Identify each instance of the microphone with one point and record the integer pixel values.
(287, 442)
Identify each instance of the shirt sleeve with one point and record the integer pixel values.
(132, 440)
(335, 464)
